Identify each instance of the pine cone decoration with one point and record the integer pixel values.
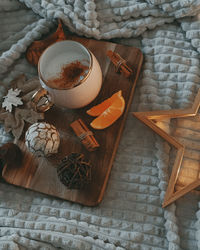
(74, 171)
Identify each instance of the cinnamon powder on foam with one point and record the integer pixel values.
(70, 76)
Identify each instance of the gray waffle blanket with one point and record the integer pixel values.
(130, 215)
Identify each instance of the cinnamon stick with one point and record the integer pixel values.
(120, 64)
(85, 135)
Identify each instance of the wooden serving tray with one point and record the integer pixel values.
(39, 174)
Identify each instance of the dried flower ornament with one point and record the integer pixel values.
(16, 111)
(12, 99)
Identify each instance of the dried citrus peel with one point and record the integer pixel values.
(108, 111)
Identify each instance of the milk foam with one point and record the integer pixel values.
(54, 67)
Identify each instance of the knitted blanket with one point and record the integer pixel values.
(130, 215)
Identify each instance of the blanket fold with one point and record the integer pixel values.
(131, 215)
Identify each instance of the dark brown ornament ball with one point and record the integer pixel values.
(74, 171)
(11, 154)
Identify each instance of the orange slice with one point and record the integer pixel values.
(100, 108)
(108, 111)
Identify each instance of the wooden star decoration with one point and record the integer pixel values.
(150, 118)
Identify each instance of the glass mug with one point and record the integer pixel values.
(56, 65)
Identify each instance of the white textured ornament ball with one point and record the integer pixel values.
(42, 139)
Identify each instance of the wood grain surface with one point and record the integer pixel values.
(39, 174)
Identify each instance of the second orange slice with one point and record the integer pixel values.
(108, 111)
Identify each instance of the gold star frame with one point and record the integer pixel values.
(149, 118)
